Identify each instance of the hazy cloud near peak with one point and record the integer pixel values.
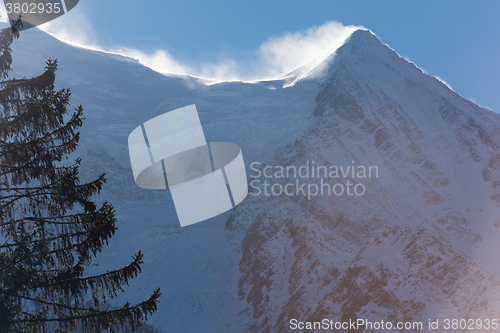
(160, 60)
(73, 28)
(285, 53)
(275, 57)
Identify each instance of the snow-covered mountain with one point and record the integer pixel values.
(419, 244)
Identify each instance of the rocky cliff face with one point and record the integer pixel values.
(421, 241)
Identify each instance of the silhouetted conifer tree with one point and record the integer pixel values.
(50, 227)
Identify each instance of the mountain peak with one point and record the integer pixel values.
(360, 35)
(360, 41)
(365, 60)
(321, 66)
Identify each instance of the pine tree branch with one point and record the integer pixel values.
(50, 220)
(120, 276)
(14, 81)
(81, 192)
(36, 300)
(44, 240)
(78, 246)
(72, 282)
(140, 311)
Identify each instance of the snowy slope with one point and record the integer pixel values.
(419, 244)
(196, 270)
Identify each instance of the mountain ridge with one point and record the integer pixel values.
(420, 240)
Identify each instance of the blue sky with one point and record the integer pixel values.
(458, 41)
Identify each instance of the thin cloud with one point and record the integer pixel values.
(73, 28)
(274, 58)
(285, 53)
(160, 61)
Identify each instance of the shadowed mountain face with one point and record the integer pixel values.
(421, 242)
